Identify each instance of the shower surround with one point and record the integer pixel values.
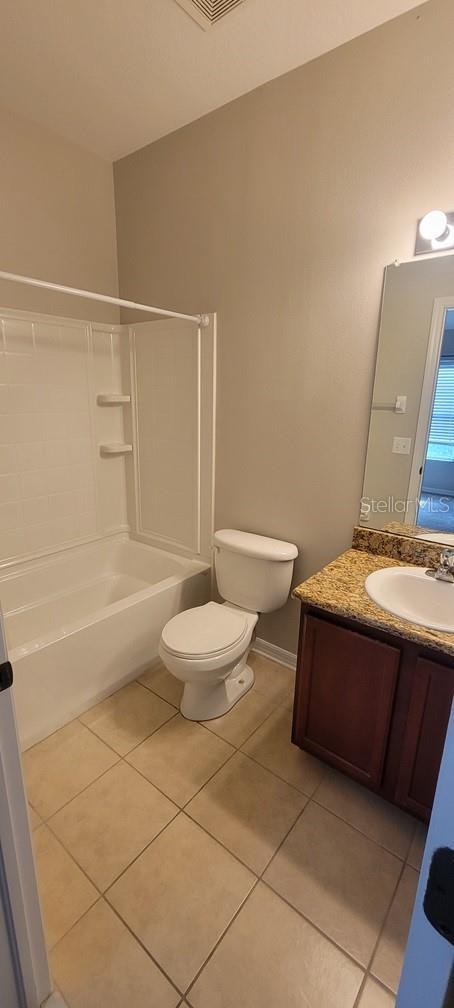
(97, 552)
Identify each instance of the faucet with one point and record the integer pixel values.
(445, 569)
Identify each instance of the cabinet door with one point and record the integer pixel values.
(431, 697)
(344, 701)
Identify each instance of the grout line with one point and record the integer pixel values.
(348, 955)
(124, 756)
(325, 808)
(208, 781)
(102, 892)
(155, 692)
(51, 948)
(45, 822)
(183, 810)
(109, 746)
(221, 844)
(229, 925)
(260, 879)
(206, 724)
(102, 899)
(164, 793)
(254, 759)
(79, 866)
(142, 946)
(359, 996)
(379, 937)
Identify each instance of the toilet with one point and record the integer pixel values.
(207, 647)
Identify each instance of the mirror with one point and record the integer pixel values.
(409, 474)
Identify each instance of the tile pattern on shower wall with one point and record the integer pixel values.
(49, 483)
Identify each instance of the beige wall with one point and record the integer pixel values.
(57, 219)
(279, 211)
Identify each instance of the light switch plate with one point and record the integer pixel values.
(401, 445)
(401, 404)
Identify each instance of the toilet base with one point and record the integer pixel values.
(203, 703)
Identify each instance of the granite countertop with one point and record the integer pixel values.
(339, 588)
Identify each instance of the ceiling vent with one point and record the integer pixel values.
(208, 12)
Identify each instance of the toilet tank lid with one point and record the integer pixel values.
(250, 544)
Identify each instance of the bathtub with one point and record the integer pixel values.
(81, 623)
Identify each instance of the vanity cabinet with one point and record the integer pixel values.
(373, 706)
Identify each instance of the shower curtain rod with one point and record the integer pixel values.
(201, 320)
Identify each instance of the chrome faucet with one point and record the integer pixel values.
(445, 569)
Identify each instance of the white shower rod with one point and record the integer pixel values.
(201, 320)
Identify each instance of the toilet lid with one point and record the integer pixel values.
(205, 630)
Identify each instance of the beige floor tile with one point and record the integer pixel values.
(100, 965)
(271, 746)
(163, 683)
(179, 897)
(243, 719)
(338, 878)
(388, 959)
(64, 891)
(248, 809)
(274, 680)
(375, 996)
(111, 822)
(128, 717)
(58, 768)
(180, 758)
(271, 957)
(373, 816)
(35, 820)
(416, 852)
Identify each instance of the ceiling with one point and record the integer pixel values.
(114, 75)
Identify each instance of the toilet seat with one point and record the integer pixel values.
(207, 631)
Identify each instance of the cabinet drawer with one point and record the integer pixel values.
(346, 686)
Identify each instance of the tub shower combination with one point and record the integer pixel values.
(83, 618)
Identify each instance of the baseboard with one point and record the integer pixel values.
(274, 652)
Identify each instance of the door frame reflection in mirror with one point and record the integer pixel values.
(437, 328)
(397, 391)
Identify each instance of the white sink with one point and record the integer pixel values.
(409, 593)
(445, 538)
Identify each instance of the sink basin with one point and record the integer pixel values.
(409, 593)
(444, 538)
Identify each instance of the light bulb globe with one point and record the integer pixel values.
(433, 225)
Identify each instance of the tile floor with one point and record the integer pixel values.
(214, 865)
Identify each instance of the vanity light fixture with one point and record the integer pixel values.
(435, 232)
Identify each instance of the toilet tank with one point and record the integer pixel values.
(252, 571)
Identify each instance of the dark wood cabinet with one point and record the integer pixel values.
(348, 686)
(425, 731)
(372, 706)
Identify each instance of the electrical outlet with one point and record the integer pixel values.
(401, 445)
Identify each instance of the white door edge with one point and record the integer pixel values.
(437, 326)
(17, 852)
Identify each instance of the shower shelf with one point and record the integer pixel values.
(112, 399)
(115, 449)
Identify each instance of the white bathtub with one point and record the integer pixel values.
(83, 622)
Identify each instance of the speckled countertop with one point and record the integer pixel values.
(339, 588)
